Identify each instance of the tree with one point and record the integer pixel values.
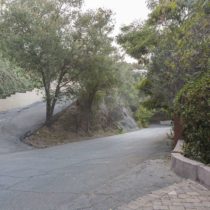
(38, 36)
(138, 40)
(177, 47)
(98, 60)
(182, 53)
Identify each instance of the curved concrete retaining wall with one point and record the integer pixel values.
(189, 169)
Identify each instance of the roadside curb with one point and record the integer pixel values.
(188, 168)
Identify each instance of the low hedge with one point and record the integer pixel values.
(193, 106)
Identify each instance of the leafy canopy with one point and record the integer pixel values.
(173, 43)
(38, 36)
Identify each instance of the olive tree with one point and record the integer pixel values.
(39, 36)
(98, 63)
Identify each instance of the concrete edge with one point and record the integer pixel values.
(187, 168)
(179, 147)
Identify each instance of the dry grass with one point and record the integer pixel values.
(63, 130)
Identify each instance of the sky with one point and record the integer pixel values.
(125, 12)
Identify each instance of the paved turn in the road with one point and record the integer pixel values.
(98, 174)
(15, 123)
(90, 175)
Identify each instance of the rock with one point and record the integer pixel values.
(124, 119)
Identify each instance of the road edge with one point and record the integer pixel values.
(189, 169)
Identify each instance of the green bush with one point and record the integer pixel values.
(12, 79)
(143, 116)
(193, 105)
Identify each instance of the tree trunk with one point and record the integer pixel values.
(49, 112)
(88, 117)
(178, 129)
(89, 109)
(51, 100)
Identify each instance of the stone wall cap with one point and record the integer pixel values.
(186, 160)
(188, 168)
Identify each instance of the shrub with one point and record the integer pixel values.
(12, 79)
(143, 116)
(193, 105)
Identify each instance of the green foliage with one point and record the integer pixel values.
(177, 46)
(144, 85)
(98, 60)
(69, 51)
(193, 105)
(38, 36)
(137, 40)
(170, 12)
(143, 116)
(126, 88)
(12, 79)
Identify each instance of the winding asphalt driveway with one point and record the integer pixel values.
(14, 124)
(99, 174)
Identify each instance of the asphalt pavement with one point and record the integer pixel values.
(98, 174)
(16, 123)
